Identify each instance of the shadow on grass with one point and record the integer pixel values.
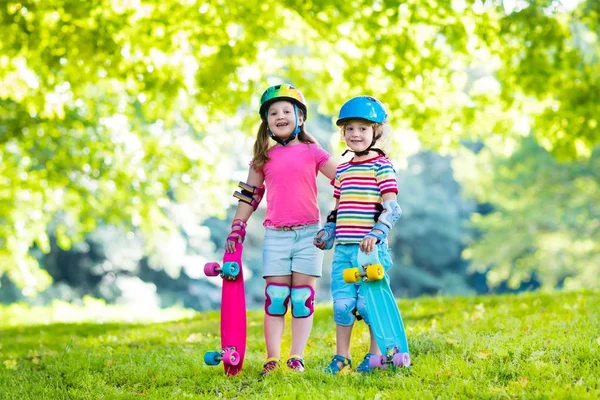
(59, 334)
(65, 329)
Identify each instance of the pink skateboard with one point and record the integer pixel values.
(233, 312)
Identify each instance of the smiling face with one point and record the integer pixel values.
(358, 134)
(282, 118)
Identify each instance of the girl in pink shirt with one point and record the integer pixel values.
(288, 167)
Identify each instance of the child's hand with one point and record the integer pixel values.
(237, 235)
(317, 240)
(229, 246)
(325, 237)
(368, 244)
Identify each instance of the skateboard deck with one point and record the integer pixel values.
(383, 313)
(233, 313)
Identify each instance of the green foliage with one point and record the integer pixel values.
(115, 111)
(545, 218)
(525, 346)
(554, 57)
(428, 240)
(101, 112)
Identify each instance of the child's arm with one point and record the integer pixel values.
(250, 196)
(326, 236)
(328, 169)
(389, 216)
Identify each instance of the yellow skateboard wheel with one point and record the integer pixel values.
(351, 275)
(375, 272)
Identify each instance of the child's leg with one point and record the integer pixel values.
(361, 307)
(307, 265)
(303, 287)
(344, 300)
(274, 323)
(373, 348)
(343, 334)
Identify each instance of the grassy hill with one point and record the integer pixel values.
(525, 346)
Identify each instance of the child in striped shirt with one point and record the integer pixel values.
(366, 209)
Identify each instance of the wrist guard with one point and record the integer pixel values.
(332, 217)
(237, 235)
(328, 235)
(381, 237)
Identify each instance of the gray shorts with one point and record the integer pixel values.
(285, 252)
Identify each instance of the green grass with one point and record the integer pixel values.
(525, 346)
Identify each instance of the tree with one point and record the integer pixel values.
(116, 111)
(545, 220)
(428, 240)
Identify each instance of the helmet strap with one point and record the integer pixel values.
(365, 152)
(368, 149)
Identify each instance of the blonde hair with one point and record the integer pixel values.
(263, 142)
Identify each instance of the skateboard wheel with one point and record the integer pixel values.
(231, 357)
(212, 358)
(401, 360)
(375, 272)
(351, 275)
(211, 269)
(377, 361)
(230, 269)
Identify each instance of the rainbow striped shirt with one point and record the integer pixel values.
(359, 186)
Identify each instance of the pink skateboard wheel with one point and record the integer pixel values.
(231, 357)
(401, 360)
(377, 361)
(211, 269)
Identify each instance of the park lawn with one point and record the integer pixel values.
(518, 346)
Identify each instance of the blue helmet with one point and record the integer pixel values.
(362, 107)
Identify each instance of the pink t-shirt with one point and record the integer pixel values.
(291, 182)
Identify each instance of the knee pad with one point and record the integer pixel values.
(277, 299)
(303, 301)
(343, 311)
(361, 307)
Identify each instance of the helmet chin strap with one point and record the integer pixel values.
(292, 136)
(367, 150)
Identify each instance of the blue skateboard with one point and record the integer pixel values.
(382, 309)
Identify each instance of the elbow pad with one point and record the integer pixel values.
(390, 215)
(251, 195)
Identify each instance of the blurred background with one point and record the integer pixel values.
(125, 126)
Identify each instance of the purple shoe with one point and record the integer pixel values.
(296, 363)
(271, 365)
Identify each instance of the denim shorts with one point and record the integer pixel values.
(285, 252)
(344, 256)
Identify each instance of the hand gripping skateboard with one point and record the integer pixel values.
(233, 312)
(382, 310)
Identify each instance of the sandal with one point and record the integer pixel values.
(334, 366)
(364, 365)
(296, 363)
(271, 365)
